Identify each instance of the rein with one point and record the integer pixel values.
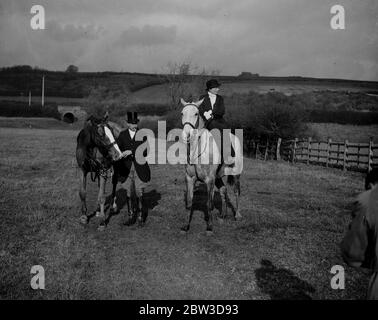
(195, 126)
(97, 168)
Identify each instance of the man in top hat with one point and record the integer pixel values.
(130, 167)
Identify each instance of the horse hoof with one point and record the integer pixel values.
(83, 219)
(140, 224)
(184, 230)
(238, 216)
(209, 233)
(101, 227)
(128, 222)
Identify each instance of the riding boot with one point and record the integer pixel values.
(130, 219)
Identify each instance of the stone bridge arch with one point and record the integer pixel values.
(71, 114)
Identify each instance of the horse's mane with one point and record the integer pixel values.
(115, 128)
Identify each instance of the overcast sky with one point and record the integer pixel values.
(269, 37)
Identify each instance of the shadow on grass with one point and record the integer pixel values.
(281, 284)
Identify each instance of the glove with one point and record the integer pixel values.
(208, 114)
(126, 154)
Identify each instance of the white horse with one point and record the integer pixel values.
(203, 164)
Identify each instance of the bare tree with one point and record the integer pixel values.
(101, 99)
(177, 77)
(185, 81)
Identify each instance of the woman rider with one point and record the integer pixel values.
(212, 108)
(212, 111)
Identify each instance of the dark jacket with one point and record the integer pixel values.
(122, 167)
(218, 112)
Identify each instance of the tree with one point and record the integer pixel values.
(72, 69)
(185, 81)
(177, 79)
(101, 99)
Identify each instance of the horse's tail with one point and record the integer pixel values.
(234, 181)
(231, 180)
(80, 156)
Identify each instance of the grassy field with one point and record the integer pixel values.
(37, 123)
(341, 132)
(294, 216)
(37, 100)
(158, 93)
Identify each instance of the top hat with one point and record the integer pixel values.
(212, 83)
(132, 117)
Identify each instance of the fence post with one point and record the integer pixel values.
(370, 155)
(328, 151)
(345, 158)
(278, 156)
(266, 149)
(257, 149)
(294, 149)
(338, 154)
(308, 150)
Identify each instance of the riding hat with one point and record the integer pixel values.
(132, 117)
(212, 83)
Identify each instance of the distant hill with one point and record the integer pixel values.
(70, 84)
(18, 81)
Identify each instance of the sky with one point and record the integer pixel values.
(269, 37)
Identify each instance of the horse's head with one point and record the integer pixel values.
(359, 247)
(190, 118)
(103, 138)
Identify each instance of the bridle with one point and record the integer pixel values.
(195, 126)
(98, 168)
(107, 146)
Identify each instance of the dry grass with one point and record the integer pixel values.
(342, 132)
(294, 217)
(158, 93)
(37, 123)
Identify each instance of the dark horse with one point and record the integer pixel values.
(359, 247)
(95, 152)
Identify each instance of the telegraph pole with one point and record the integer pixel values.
(43, 91)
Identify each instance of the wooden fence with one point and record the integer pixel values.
(345, 155)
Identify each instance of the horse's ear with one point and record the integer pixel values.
(199, 102)
(105, 117)
(183, 102)
(89, 121)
